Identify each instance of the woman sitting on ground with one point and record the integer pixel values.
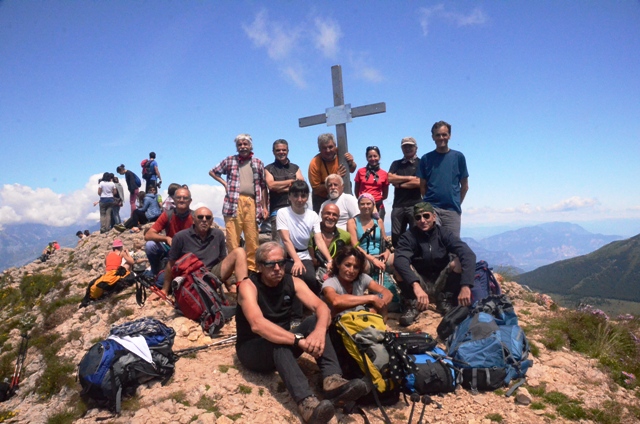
(148, 212)
(345, 290)
(368, 236)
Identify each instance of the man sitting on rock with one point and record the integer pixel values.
(266, 340)
(423, 266)
(209, 245)
(171, 222)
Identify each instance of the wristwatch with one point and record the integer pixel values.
(297, 339)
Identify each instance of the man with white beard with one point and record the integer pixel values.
(347, 203)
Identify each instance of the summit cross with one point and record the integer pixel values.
(339, 115)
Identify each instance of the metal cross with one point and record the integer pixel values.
(340, 115)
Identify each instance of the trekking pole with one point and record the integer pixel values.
(188, 350)
(415, 398)
(162, 296)
(426, 400)
(22, 354)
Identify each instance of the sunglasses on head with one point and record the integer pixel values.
(426, 215)
(272, 264)
(204, 217)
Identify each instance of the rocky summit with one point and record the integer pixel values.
(211, 386)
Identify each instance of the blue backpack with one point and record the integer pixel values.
(436, 373)
(108, 370)
(484, 283)
(137, 181)
(490, 348)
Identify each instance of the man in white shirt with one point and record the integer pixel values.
(347, 203)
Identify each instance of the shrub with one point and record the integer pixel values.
(34, 286)
(497, 418)
(58, 371)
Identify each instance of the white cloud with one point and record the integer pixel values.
(573, 203)
(23, 204)
(289, 45)
(278, 41)
(296, 75)
(327, 37)
(428, 14)
(573, 209)
(362, 68)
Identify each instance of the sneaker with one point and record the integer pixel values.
(342, 391)
(444, 302)
(410, 315)
(314, 411)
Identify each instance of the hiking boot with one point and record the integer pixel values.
(342, 391)
(314, 411)
(444, 302)
(410, 315)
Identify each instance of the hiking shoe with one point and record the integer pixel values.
(444, 302)
(120, 228)
(342, 391)
(314, 411)
(410, 315)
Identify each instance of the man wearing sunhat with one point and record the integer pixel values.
(422, 256)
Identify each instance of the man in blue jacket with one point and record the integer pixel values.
(424, 266)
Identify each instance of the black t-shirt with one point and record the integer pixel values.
(280, 172)
(210, 251)
(275, 304)
(405, 197)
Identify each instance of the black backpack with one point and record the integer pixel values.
(108, 370)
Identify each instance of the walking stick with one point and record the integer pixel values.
(189, 350)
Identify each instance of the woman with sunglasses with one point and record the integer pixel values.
(424, 267)
(373, 180)
(350, 289)
(368, 236)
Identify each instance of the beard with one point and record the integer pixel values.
(334, 194)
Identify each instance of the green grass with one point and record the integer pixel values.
(245, 390)
(224, 368)
(497, 418)
(180, 397)
(5, 415)
(260, 391)
(537, 390)
(131, 403)
(535, 350)
(209, 405)
(121, 313)
(235, 417)
(610, 342)
(58, 370)
(34, 286)
(537, 405)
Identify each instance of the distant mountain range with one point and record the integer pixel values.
(22, 243)
(518, 251)
(531, 247)
(612, 272)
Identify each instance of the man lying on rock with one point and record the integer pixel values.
(424, 266)
(266, 341)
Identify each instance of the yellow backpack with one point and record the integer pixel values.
(362, 334)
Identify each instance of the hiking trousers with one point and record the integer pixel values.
(244, 223)
(106, 207)
(400, 218)
(260, 355)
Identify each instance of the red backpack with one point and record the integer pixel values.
(199, 294)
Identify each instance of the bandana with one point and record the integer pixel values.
(242, 160)
(423, 207)
(372, 170)
(367, 196)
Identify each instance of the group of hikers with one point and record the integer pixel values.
(321, 262)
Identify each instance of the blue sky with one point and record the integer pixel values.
(543, 97)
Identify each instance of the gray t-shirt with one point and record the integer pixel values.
(359, 288)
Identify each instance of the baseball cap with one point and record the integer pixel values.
(408, 140)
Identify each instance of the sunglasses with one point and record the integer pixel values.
(272, 264)
(204, 217)
(372, 148)
(426, 216)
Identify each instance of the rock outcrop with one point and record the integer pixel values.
(212, 387)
